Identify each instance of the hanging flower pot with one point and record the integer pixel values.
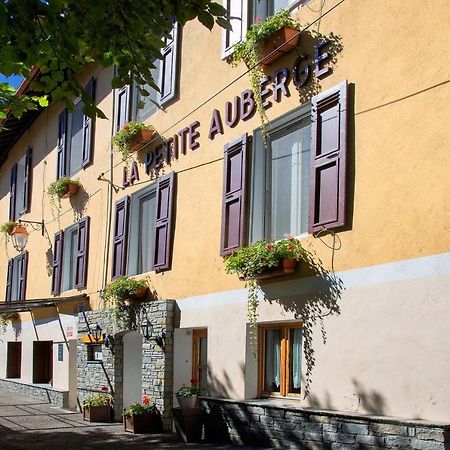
(72, 189)
(140, 139)
(282, 41)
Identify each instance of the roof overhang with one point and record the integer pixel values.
(29, 305)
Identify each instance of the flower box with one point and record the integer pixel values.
(146, 422)
(283, 41)
(72, 189)
(140, 139)
(103, 413)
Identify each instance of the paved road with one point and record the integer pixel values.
(31, 424)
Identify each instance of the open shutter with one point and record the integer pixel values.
(88, 129)
(23, 270)
(168, 71)
(123, 107)
(82, 253)
(12, 193)
(57, 262)
(328, 159)
(27, 182)
(120, 238)
(234, 195)
(163, 223)
(9, 279)
(61, 146)
(237, 14)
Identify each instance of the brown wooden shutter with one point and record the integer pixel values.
(12, 193)
(163, 223)
(57, 262)
(234, 195)
(88, 129)
(82, 253)
(120, 238)
(27, 182)
(328, 159)
(61, 146)
(168, 75)
(23, 270)
(123, 107)
(9, 278)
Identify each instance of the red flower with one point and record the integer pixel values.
(270, 246)
(146, 400)
(104, 388)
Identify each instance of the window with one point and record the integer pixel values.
(16, 278)
(281, 177)
(70, 254)
(94, 352)
(20, 186)
(200, 358)
(137, 107)
(265, 8)
(143, 229)
(297, 184)
(280, 359)
(75, 138)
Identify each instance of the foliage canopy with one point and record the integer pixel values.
(61, 37)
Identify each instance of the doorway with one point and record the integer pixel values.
(199, 358)
(42, 361)
(14, 360)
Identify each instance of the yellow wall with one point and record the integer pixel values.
(393, 54)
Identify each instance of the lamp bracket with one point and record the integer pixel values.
(34, 225)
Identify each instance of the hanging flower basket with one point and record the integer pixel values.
(283, 41)
(137, 297)
(72, 189)
(140, 139)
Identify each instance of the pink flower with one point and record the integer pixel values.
(104, 388)
(270, 246)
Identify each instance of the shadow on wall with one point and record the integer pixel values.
(313, 297)
(221, 385)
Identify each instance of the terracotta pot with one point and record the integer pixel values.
(279, 42)
(147, 422)
(188, 402)
(101, 413)
(289, 265)
(140, 139)
(72, 188)
(138, 297)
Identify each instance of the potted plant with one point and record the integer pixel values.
(279, 32)
(132, 137)
(187, 396)
(291, 252)
(142, 417)
(62, 188)
(98, 407)
(7, 227)
(124, 288)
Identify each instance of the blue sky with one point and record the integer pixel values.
(14, 80)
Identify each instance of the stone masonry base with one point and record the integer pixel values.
(271, 425)
(45, 394)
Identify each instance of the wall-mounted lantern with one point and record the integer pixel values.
(19, 234)
(97, 333)
(147, 331)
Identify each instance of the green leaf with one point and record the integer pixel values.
(224, 23)
(217, 10)
(206, 19)
(2, 115)
(43, 101)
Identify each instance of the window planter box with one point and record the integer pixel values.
(188, 423)
(289, 266)
(148, 422)
(279, 41)
(103, 413)
(72, 189)
(140, 139)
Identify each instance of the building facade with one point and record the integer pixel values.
(355, 165)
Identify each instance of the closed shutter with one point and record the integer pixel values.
(120, 238)
(27, 182)
(12, 193)
(57, 262)
(234, 195)
(61, 146)
(123, 107)
(163, 223)
(237, 14)
(168, 70)
(82, 253)
(88, 129)
(23, 270)
(9, 280)
(328, 159)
